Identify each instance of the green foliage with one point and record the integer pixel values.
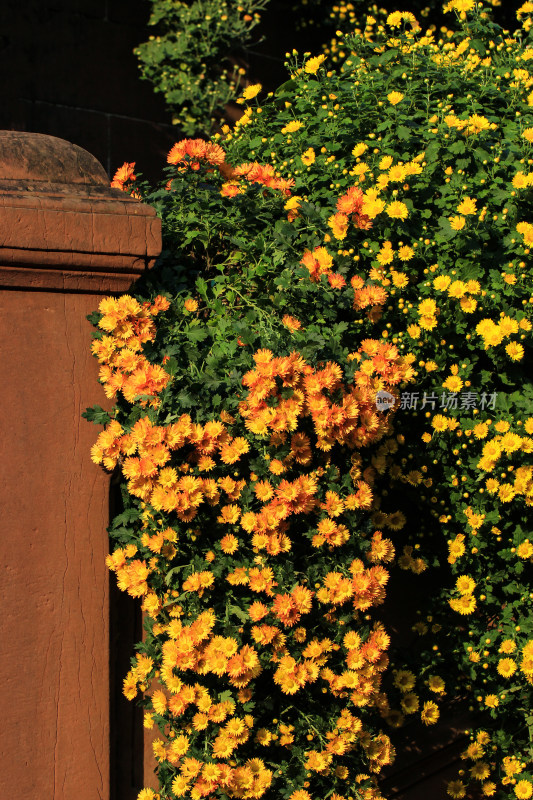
(193, 60)
(197, 58)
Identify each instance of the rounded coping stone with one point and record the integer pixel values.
(39, 158)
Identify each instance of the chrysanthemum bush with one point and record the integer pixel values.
(345, 16)
(197, 57)
(367, 229)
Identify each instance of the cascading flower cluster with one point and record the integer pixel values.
(301, 630)
(124, 368)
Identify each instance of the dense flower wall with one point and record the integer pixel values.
(322, 384)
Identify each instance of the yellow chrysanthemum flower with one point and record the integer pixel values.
(359, 149)
(508, 646)
(441, 282)
(146, 794)
(457, 223)
(397, 210)
(313, 64)
(459, 5)
(523, 790)
(468, 304)
(405, 253)
(428, 323)
(521, 180)
(457, 289)
(481, 430)
(467, 206)
(292, 126)
(476, 123)
(430, 713)
(480, 771)
(526, 229)
(491, 701)
(436, 684)
(394, 20)
(397, 173)
(404, 679)
(524, 550)
(453, 383)
(409, 703)
(465, 584)
(372, 206)
(456, 548)
(465, 604)
(252, 91)
(399, 279)
(456, 789)
(439, 422)
(427, 307)
(413, 168)
(395, 97)
(514, 350)
(292, 203)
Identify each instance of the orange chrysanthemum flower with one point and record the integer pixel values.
(257, 611)
(291, 323)
(123, 175)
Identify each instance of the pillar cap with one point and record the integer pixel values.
(38, 159)
(62, 227)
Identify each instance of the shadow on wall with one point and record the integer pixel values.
(126, 727)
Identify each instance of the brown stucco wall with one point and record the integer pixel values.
(66, 239)
(54, 691)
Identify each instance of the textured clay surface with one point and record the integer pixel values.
(54, 686)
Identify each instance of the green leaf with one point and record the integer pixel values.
(172, 572)
(238, 612)
(446, 231)
(432, 151)
(457, 147)
(286, 88)
(97, 415)
(197, 334)
(201, 286)
(387, 56)
(402, 132)
(94, 318)
(185, 400)
(479, 45)
(128, 515)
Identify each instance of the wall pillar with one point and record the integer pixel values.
(66, 239)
